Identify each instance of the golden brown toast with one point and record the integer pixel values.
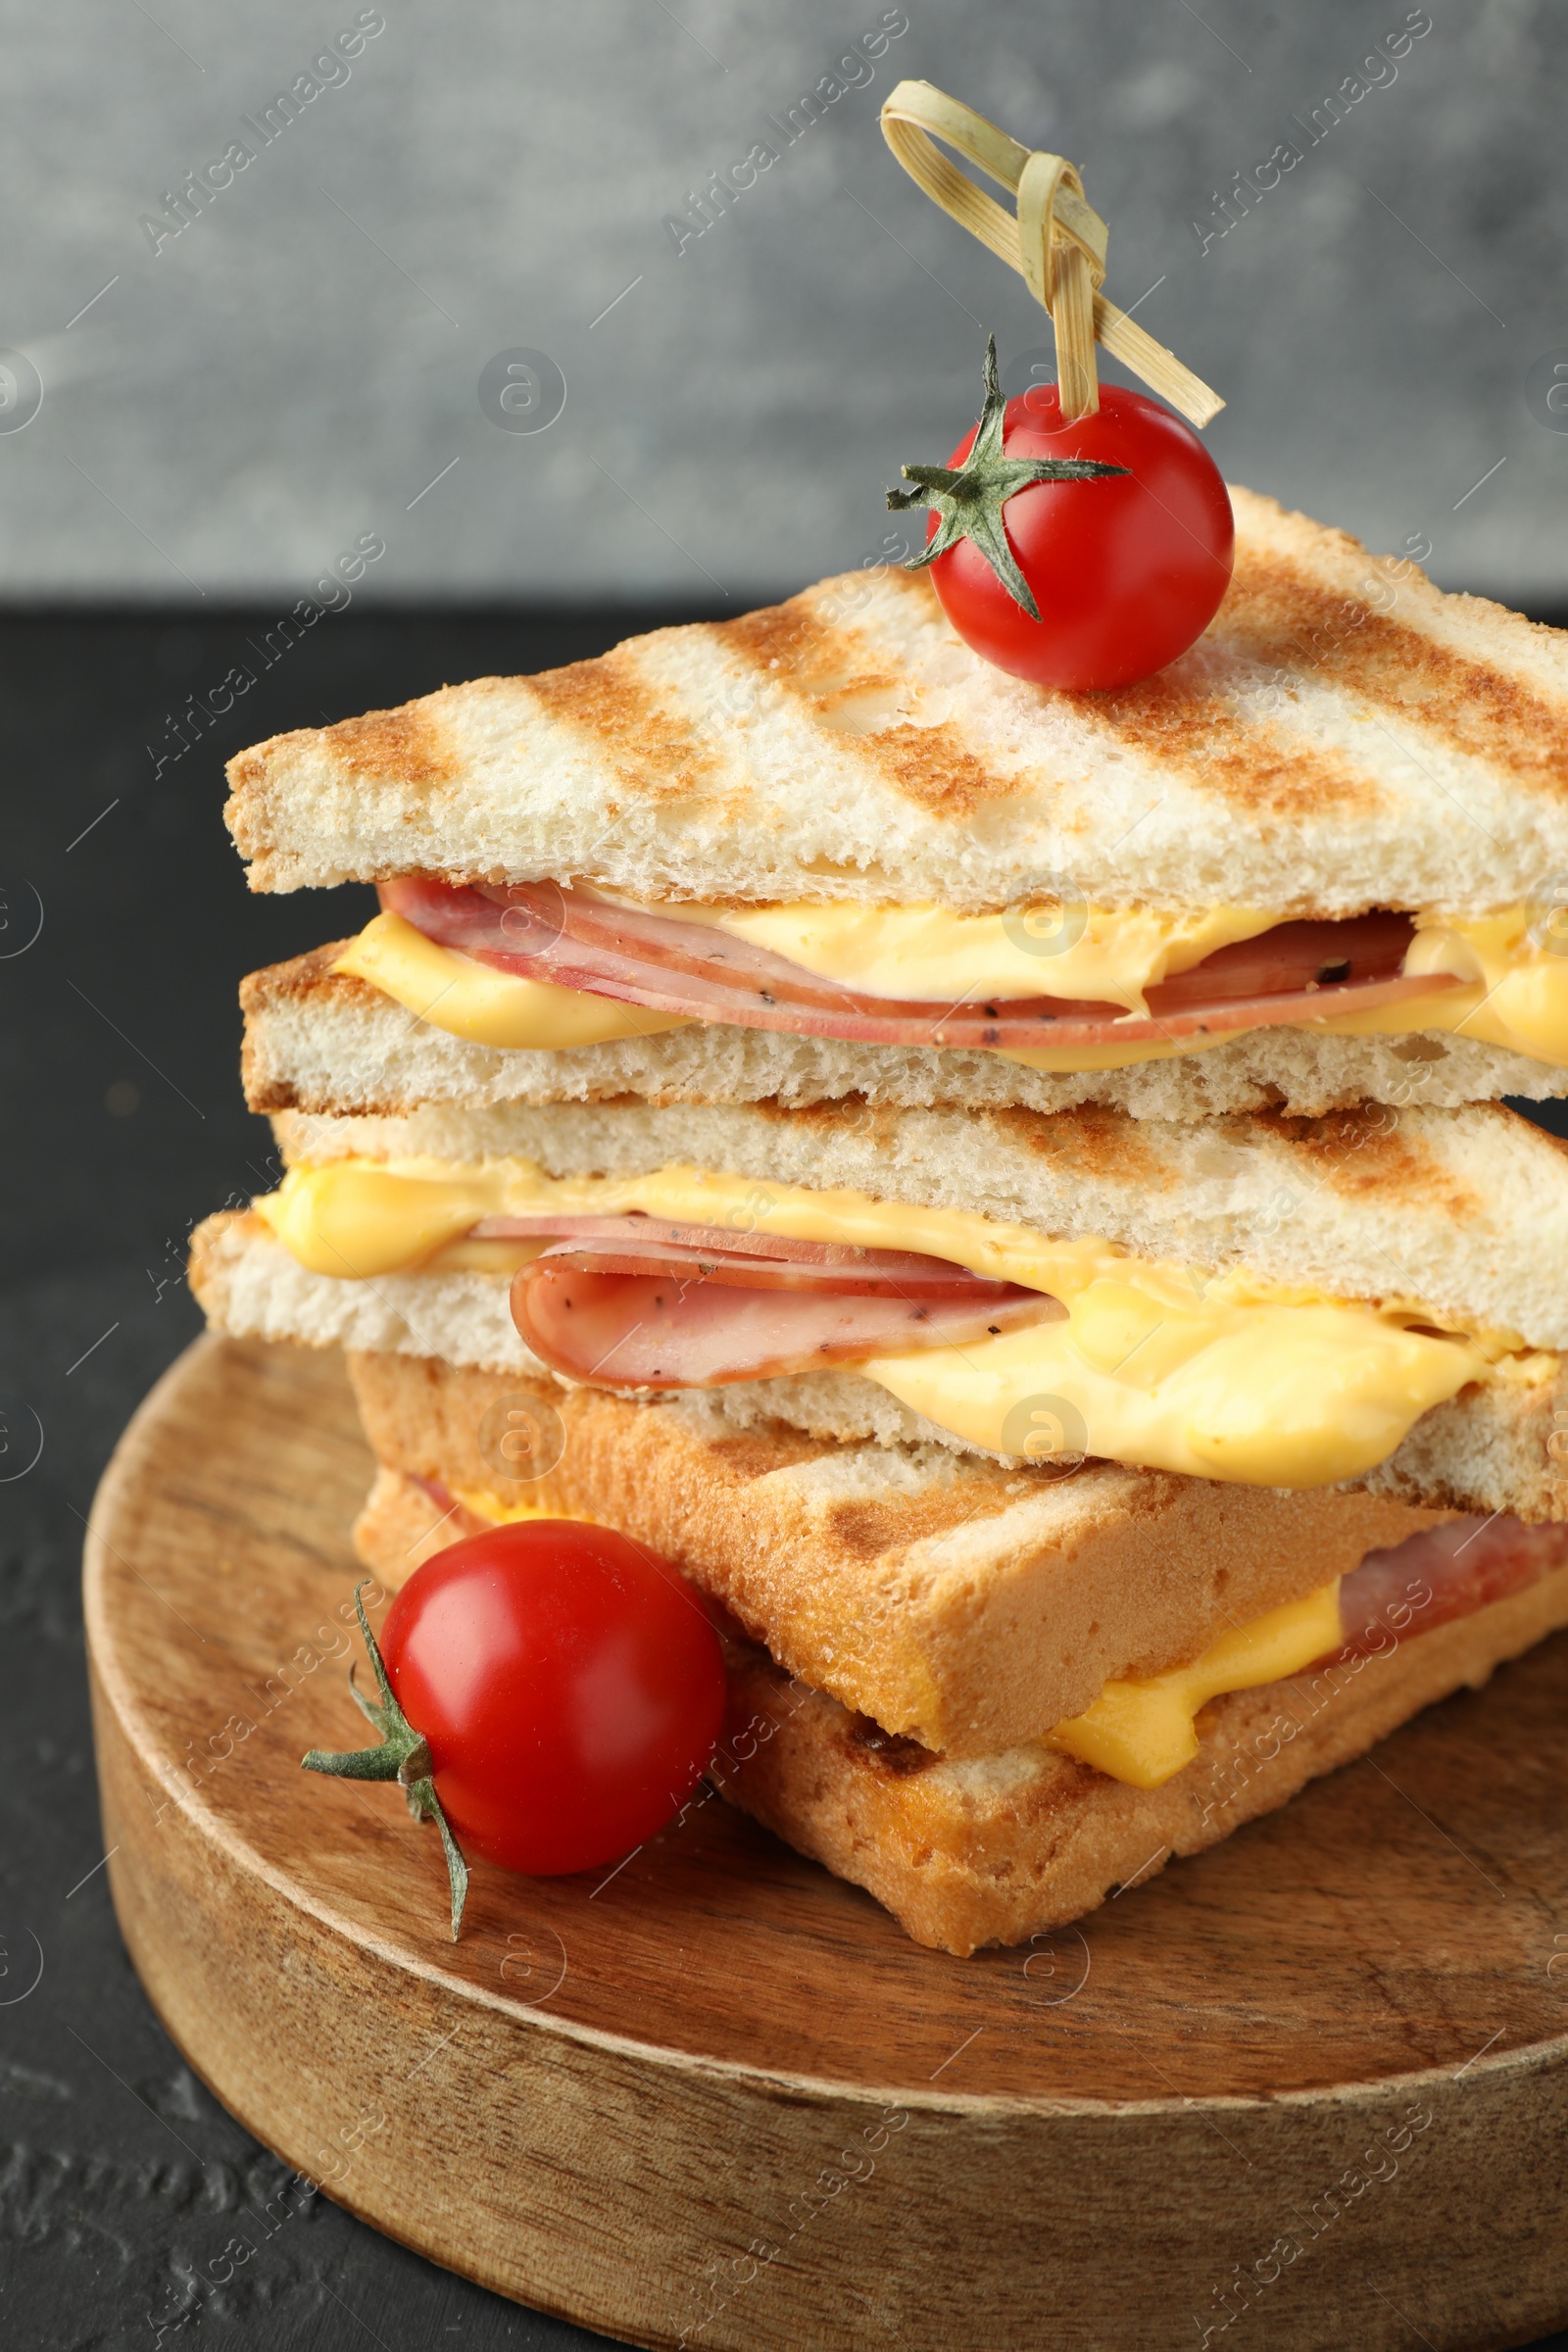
(999, 1848)
(1343, 736)
(956, 1603)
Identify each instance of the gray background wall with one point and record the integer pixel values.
(293, 368)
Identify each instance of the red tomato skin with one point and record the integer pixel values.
(1127, 572)
(570, 1686)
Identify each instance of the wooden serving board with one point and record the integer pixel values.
(1308, 2090)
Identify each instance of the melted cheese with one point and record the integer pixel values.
(473, 1001)
(1155, 1365)
(480, 1503)
(469, 1256)
(1296, 1395)
(1517, 998)
(929, 955)
(1517, 995)
(1143, 1732)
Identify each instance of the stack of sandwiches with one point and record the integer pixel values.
(1006, 1189)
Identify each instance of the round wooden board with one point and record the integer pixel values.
(1311, 2087)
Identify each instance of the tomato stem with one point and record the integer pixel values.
(968, 499)
(402, 1754)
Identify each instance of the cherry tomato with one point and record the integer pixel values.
(1127, 571)
(568, 1683)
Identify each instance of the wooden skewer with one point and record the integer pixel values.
(1056, 242)
(1062, 253)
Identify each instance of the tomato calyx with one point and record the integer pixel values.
(402, 1754)
(968, 500)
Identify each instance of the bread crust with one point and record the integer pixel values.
(1000, 1848)
(956, 1603)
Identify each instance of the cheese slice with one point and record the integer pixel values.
(473, 1001)
(1268, 1396)
(1059, 946)
(1155, 1364)
(1517, 969)
(1143, 1732)
(1517, 972)
(1064, 947)
(480, 1503)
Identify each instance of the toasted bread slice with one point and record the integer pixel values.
(959, 1603)
(318, 1040)
(999, 1848)
(1343, 736)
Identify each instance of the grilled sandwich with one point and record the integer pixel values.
(1276, 1302)
(992, 1700)
(827, 849)
(1004, 1189)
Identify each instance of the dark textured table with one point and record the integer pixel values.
(125, 928)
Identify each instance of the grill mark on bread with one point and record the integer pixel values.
(1090, 1142)
(1176, 722)
(1172, 719)
(645, 737)
(1284, 619)
(751, 1454)
(405, 746)
(930, 766)
(867, 1529)
(791, 647)
(828, 1118)
(825, 665)
(1367, 1153)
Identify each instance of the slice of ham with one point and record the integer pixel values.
(537, 930)
(679, 1330)
(961, 1288)
(1442, 1574)
(636, 1243)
